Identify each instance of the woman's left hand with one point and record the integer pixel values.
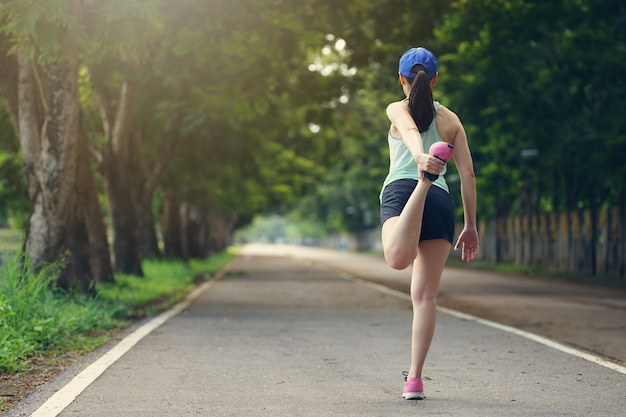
(468, 242)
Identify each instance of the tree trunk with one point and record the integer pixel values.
(143, 185)
(125, 232)
(171, 226)
(117, 173)
(99, 256)
(196, 231)
(145, 182)
(65, 223)
(131, 182)
(185, 227)
(148, 241)
(47, 213)
(220, 230)
(48, 120)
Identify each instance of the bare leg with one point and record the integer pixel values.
(400, 235)
(425, 278)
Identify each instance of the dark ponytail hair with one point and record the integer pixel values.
(421, 98)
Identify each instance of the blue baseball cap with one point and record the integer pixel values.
(416, 56)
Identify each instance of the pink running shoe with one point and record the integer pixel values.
(440, 150)
(413, 388)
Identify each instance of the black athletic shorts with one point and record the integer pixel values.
(438, 220)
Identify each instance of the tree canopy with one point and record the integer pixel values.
(197, 115)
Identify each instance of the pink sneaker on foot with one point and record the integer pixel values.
(413, 388)
(440, 150)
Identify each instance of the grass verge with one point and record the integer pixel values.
(10, 240)
(537, 270)
(40, 324)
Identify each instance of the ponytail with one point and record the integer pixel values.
(421, 99)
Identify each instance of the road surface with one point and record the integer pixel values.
(284, 334)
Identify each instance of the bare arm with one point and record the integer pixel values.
(468, 239)
(403, 126)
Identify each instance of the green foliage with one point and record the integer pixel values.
(13, 200)
(353, 149)
(264, 106)
(10, 240)
(539, 270)
(246, 147)
(36, 319)
(275, 229)
(25, 23)
(264, 229)
(545, 76)
(12, 187)
(163, 284)
(211, 265)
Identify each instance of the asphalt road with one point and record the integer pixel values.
(287, 333)
(588, 317)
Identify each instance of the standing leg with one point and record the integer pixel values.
(425, 278)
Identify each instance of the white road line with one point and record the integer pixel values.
(64, 397)
(536, 338)
(539, 339)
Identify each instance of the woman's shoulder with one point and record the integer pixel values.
(397, 106)
(396, 111)
(448, 123)
(447, 114)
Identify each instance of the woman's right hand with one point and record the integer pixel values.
(428, 163)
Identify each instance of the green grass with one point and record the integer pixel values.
(38, 320)
(10, 240)
(163, 283)
(537, 270)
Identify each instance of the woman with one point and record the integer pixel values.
(417, 213)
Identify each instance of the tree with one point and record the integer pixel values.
(123, 36)
(545, 93)
(247, 152)
(359, 64)
(13, 198)
(40, 89)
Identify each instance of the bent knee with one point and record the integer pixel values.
(399, 259)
